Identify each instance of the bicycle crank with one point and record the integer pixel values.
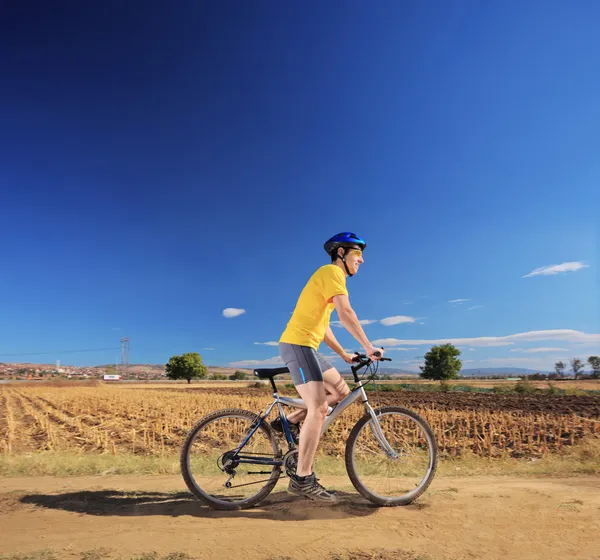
(290, 462)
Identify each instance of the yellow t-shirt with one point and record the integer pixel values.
(310, 318)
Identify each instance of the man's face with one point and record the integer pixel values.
(354, 259)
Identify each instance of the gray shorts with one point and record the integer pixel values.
(305, 363)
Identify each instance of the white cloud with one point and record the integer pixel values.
(482, 341)
(232, 312)
(474, 307)
(459, 301)
(401, 349)
(572, 266)
(274, 361)
(513, 361)
(472, 350)
(270, 343)
(537, 362)
(396, 320)
(536, 350)
(567, 335)
(408, 362)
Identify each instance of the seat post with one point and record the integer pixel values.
(273, 384)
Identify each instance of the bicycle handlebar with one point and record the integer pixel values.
(359, 357)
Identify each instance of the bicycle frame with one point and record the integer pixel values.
(333, 412)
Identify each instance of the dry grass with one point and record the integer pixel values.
(580, 459)
(142, 431)
(567, 384)
(196, 385)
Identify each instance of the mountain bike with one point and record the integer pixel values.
(231, 459)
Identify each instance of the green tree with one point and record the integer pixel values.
(577, 366)
(239, 375)
(559, 368)
(441, 362)
(594, 362)
(187, 366)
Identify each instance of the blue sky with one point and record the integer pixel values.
(159, 166)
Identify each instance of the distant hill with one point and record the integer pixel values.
(383, 370)
(480, 372)
(140, 371)
(158, 370)
(499, 371)
(132, 368)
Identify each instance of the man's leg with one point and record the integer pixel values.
(313, 394)
(307, 374)
(335, 387)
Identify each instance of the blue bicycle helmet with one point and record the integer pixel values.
(345, 239)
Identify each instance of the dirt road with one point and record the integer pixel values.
(458, 518)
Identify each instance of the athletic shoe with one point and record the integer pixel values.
(309, 487)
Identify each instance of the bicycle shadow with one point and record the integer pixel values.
(278, 506)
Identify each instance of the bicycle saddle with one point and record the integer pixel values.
(270, 372)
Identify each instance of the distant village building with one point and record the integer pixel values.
(111, 377)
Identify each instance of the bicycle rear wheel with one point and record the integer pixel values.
(378, 476)
(217, 475)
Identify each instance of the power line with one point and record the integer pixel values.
(59, 352)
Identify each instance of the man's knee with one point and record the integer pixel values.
(319, 410)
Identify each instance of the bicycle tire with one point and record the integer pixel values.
(355, 478)
(197, 490)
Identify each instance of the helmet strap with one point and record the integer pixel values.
(344, 261)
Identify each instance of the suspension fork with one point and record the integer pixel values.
(376, 427)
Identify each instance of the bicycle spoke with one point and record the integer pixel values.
(209, 460)
(400, 476)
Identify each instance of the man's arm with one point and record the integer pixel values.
(350, 320)
(333, 343)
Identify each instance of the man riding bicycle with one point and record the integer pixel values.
(316, 380)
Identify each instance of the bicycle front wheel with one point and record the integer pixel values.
(220, 475)
(399, 475)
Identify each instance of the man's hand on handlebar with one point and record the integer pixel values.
(374, 353)
(348, 358)
(377, 354)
